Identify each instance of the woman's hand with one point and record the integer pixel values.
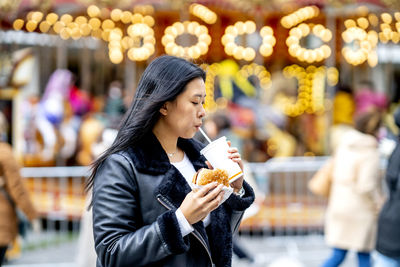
(235, 156)
(197, 205)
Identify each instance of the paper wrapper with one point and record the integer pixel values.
(227, 191)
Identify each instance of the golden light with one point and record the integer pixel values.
(308, 55)
(203, 13)
(65, 33)
(18, 24)
(105, 35)
(93, 11)
(81, 20)
(31, 25)
(366, 42)
(107, 24)
(373, 19)
(349, 23)
(299, 16)
(211, 72)
(44, 26)
(137, 18)
(144, 9)
(85, 29)
(310, 97)
(96, 33)
(387, 34)
(126, 17)
(116, 56)
(95, 23)
(66, 18)
(58, 26)
(268, 42)
(51, 18)
(76, 33)
(228, 40)
(386, 17)
(187, 27)
(363, 23)
(264, 77)
(136, 32)
(149, 20)
(37, 16)
(116, 14)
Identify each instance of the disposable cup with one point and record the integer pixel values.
(217, 154)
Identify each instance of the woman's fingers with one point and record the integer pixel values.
(215, 202)
(205, 189)
(214, 193)
(233, 150)
(209, 165)
(233, 154)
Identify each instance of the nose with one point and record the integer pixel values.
(202, 112)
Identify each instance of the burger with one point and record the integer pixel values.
(206, 176)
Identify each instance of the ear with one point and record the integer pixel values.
(164, 109)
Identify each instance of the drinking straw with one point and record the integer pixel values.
(205, 136)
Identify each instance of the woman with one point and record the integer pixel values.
(388, 241)
(13, 194)
(144, 211)
(355, 192)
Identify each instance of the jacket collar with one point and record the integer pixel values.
(150, 158)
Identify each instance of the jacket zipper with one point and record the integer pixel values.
(168, 206)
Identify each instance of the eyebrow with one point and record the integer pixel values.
(199, 95)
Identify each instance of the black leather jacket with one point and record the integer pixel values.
(388, 241)
(135, 196)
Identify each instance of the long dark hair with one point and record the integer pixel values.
(163, 80)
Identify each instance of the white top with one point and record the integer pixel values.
(185, 167)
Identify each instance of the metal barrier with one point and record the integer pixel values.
(284, 205)
(58, 195)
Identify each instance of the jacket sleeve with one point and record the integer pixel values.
(14, 184)
(239, 204)
(121, 239)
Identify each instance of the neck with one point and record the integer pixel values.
(168, 142)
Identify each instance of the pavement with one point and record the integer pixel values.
(293, 251)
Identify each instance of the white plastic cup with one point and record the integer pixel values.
(217, 154)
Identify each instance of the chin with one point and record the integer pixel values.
(188, 135)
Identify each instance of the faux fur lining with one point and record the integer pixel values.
(171, 233)
(241, 203)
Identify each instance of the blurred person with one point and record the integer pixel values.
(355, 194)
(366, 97)
(114, 107)
(13, 195)
(144, 210)
(388, 240)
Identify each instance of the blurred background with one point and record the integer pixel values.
(284, 78)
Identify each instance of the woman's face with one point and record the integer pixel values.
(183, 116)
